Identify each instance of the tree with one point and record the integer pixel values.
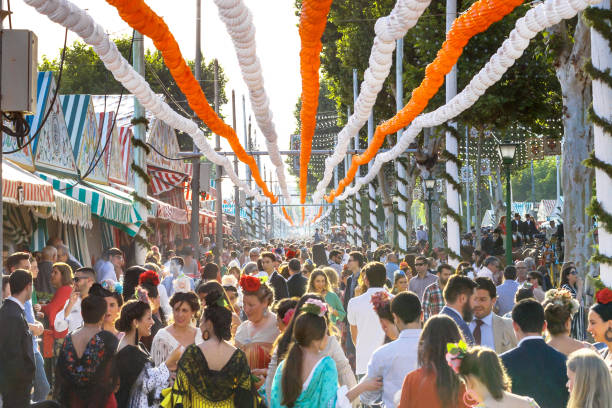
(84, 73)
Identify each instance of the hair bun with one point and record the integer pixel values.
(212, 298)
(97, 290)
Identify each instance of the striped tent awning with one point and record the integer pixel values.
(70, 211)
(105, 202)
(20, 187)
(159, 209)
(163, 180)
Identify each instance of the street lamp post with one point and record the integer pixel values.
(507, 150)
(430, 184)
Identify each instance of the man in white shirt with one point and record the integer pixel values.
(70, 316)
(396, 359)
(366, 332)
(488, 329)
(491, 269)
(109, 266)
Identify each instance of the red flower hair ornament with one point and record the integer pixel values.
(250, 283)
(150, 277)
(604, 296)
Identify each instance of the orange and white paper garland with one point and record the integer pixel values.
(535, 20)
(78, 20)
(388, 29)
(239, 23)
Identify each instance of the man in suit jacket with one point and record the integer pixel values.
(296, 284)
(278, 283)
(536, 369)
(458, 295)
(488, 329)
(17, 366)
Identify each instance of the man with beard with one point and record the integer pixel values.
(488, 329)
(433, 301)
(459, 298)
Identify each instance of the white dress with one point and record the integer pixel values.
(164, 343)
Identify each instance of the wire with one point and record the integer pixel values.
(162, 155)
(59, 81)
(165, 91)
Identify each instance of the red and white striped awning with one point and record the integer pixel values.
(163, 180)
(208, 223)
(20, 187)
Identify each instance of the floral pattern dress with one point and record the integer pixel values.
(89, 380)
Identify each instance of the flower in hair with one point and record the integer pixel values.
(150, 277)
(288, 315)
(380, 300)
(604, 296)
(250, 283)
(455, 353)
(315, 306)
(563, 298)
(181, 284)
(141, 295)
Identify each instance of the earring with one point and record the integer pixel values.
(205, 335)
(470, 398)
(608, 334)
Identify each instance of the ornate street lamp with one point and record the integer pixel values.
(507, 150)
(430, 184)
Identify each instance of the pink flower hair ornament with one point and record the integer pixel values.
(315, 307)
(454, 354)
(288, 315)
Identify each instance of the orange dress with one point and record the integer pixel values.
(419, 390)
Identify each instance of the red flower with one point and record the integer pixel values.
(250, 283)
(150, 277)
(604, 296)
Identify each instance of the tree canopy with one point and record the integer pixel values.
(84, 73)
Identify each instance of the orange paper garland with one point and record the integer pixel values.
(313, 19)
(140, 17)
(287, 216)
(477, 19)
(318, 214)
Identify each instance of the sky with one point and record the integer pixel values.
(277, 39)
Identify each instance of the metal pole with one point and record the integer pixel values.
(349, 216)
(429, 223)
(533, 199)
(219, 202)
(374, 239)
(140, 158)
(195, 163)
(336, 205)
(508, 219)
(467, 180)
(402, 214)
(236, 189)
(558, 178)
(250, 199)
(357, 220)
(246, 144)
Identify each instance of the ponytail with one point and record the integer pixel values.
(292, 375)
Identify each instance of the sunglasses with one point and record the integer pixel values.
(79, 278)
(573, 272)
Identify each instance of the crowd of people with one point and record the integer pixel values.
(299, 324)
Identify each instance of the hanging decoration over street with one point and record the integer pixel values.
(535, 20)
(140, 17)
(78, 20)
(313, 19)
(238, 20)
(388, 29)
(477, 19)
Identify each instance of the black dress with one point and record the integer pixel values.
(89, 380)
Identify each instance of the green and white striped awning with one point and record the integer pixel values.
(110, 204)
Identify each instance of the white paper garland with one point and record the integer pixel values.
(388, 29)
(535, 20)
(239, 23)
(78, 20)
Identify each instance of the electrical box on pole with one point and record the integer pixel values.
(204, 177)
(19, 71)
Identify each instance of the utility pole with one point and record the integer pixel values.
(348, 208)
(467, 178)
(219, 202)
(236, 189)
(452, 146)
(140, 157)
(336, 205)
(250, 203)
(195, 162)
(271, 212)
